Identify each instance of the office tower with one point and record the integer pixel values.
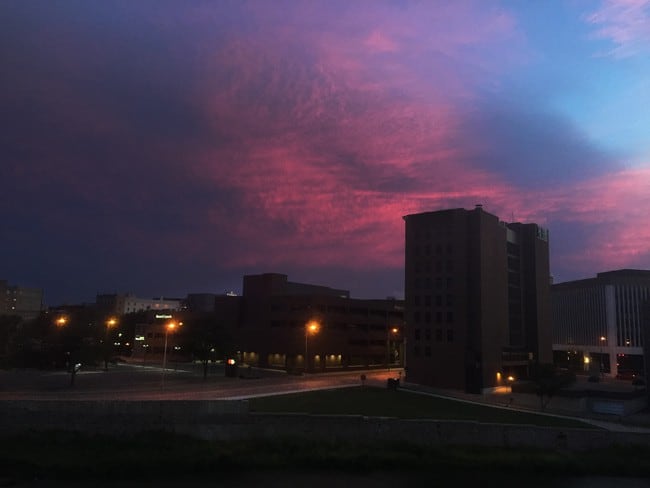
(477, 299)
(598, 323)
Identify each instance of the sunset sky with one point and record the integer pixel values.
(170, 147)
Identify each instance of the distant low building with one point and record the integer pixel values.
(598, 322)
(304, 327)
(24, 302)
(120, 304)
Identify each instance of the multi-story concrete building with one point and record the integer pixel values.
(120, 304)
(24, 302)
(285, 325)
(297, 327)
(477, 299)
(598, 322)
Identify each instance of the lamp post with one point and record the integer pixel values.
(60, 323)
(602, 366)
(310, 328)
(389, 331)
(109, 324)
(168, 328)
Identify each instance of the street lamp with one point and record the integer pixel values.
(389, 331)
(111, 322)
(312, 328)
(602, 366)
(168, 328)
(60, 323)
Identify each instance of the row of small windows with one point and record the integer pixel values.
(438, 335)
(299, 324)
(427, 283)
(418, 317)
(427, 249)
(294, 307)
(426, 300)
(426, 266)
(427, 350)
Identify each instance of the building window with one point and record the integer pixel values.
(416, 316)
(427, 317)
(449, 283)
(438, 335)
(416, 351)
(449, 266)
(438, 249)
(450, 300)
(417, 334)
(427, 300)
(416, 300)
(439, 300)
(427, 351)
(450, 317)
(427, 334)
(450, 335)
(438, 266)
(439, 317)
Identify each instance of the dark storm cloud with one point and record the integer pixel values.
(527, 146)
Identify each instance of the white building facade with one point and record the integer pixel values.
(598, 322)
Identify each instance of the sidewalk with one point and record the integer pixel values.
(639, 423)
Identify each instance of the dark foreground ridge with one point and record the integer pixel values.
(163, 456)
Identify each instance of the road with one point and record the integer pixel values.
(183, 382)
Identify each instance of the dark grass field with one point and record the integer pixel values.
(383, 402)
(163, 459)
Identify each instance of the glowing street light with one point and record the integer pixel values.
(60, 323)
(111, 322)
(311, 328)
(389, 331)
(603, 339)
(168, 328)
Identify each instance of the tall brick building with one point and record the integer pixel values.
(477, 299)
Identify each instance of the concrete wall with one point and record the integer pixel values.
(230, 420)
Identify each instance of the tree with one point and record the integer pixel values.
(9, 327)
(206, 339)
(548, 381)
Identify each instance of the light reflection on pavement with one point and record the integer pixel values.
(129, 382)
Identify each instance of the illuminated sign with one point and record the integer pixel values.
(163, 316)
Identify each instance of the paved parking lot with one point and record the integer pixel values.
(179, 381)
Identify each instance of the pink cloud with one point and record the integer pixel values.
(626, 23)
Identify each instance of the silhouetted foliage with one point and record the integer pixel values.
(206, 339)
(548, 381)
